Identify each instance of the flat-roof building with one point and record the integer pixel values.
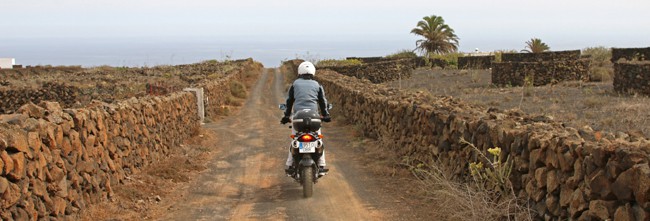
(7, 63)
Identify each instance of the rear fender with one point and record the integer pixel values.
(307, 161)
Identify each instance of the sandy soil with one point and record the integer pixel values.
(235, 172)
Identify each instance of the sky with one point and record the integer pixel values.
(137, 32)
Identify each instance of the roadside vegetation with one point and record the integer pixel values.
(341, 62)
(404, 53)
(601, 67)
(488, 195)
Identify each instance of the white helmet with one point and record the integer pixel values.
(306, 68)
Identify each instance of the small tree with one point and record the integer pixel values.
(438, 37)
(535, 45)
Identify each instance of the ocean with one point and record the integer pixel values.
(132, 52)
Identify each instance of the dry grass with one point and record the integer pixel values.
(604, 74)
(142, 194)
(461, 201)
(601, 68)
(435, 196)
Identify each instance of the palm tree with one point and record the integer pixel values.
(535, 45)
(438, 37)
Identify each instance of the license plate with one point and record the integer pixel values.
(307, 147)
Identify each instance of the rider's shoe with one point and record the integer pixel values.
(322, 171)
(289, 170)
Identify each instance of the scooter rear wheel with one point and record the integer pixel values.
(307, 177)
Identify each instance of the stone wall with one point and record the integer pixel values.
(630, 54)
(107, 84)
(475, 62)
(12, 99)
(217, 92)
(377, 72)
(543, 56)
(431, 62)
(540, 73)
(54, 162)
(632, 77)
(563, 172)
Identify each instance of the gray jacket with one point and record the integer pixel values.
(306, 94)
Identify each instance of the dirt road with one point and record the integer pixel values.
(245, 179)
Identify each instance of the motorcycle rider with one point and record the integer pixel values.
(306, 93)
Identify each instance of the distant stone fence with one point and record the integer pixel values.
(475, 62)
(37, 70)
(517, 69)
(630, 54)
(632, 77)
(55, 162)
(565, 173)
(542, 56)
(418, 62)
(539, 73)
(12, 99)
(377, 72)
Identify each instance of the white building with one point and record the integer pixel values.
(7, 63)
(477, 52)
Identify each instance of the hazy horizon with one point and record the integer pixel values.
(139, 32)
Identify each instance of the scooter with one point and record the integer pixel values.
(306, 147)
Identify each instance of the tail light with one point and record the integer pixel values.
(306, 138)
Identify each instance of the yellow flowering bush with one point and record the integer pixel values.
(494, 176)
(495, 151)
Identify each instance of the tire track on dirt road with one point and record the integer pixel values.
(245, 179)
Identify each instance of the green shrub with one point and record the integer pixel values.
(405, 53)
(233, 101)
(498, 53)
(237, 89)
(333, 62)
(450, 58)
(213, 61)
(601, 67)
(599, 56)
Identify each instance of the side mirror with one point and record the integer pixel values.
(283, 106)
(329, 106)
